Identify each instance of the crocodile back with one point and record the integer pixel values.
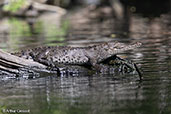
(67, 55)
(75, 55)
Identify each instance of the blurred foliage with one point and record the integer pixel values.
(18, 28)
(38, 27)
(14, 5)
(2, 110)
(55, 33)
(21, 31)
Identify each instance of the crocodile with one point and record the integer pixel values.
(91, 56)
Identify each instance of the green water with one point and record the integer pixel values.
(88, 94)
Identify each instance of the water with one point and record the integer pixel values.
(98, 93)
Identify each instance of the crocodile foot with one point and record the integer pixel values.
(125, 66)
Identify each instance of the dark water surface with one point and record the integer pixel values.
(98, 93)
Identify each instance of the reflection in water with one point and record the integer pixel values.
(17, 34)
(99, 93)
(67, 94)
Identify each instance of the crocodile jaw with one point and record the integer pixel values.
(110, 49)
(120, 47)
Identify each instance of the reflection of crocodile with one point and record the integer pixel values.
(91, 56)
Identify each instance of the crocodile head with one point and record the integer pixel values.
(110, 49)
(116, 47)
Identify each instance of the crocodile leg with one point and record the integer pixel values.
(97, 67)
(126, 65)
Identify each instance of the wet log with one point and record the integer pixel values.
(33, 9)
(12, 63)
(50, 8)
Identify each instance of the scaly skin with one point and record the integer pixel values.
(92, 55)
